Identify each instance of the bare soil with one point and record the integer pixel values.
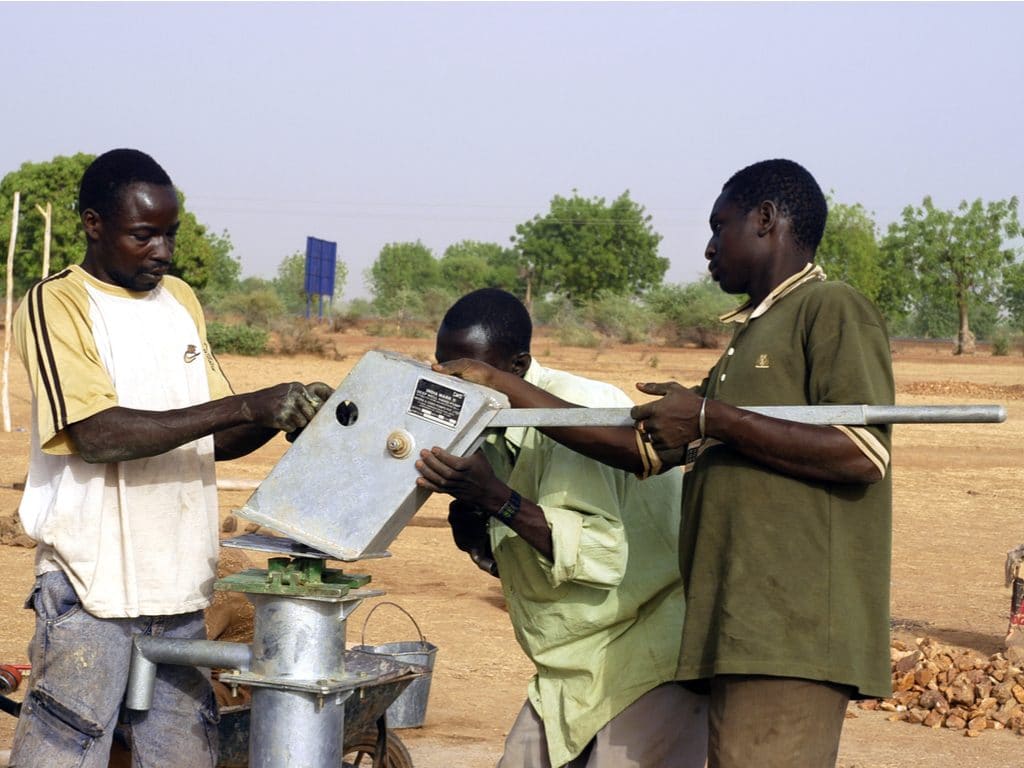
(958, 510)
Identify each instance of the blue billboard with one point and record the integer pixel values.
(321, 257)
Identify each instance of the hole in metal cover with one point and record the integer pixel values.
(347, 413)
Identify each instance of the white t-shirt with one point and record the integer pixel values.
(136, 538)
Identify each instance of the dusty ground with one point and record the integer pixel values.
(958, 509)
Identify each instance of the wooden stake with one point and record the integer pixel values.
(48, 218)
(7, 314)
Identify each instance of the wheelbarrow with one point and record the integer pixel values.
(369, 743)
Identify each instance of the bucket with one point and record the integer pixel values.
(409, 710)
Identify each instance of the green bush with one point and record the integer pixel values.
(689, 313)
(622, 318)
(566, 322)
(351, 314)
(237, 339)
(577, 335)
(297, 335)
(257, 307)
(1001, 342)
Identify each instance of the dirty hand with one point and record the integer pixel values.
(670, 423)
(286, 407)
(468, 478)
(469, 529)
(319, 391)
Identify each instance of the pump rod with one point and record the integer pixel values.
(851, 415)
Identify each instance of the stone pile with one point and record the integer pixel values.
(942, 686)
(12, 534)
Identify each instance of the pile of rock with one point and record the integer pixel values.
(12, 534)
(942, 686)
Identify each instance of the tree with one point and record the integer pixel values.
(53, 182)
(463, 268)
(57, 181)
(957, 257)
(224, 269)
(583, 247)
(1013, 293)
(849, 248)
(402, 267)
(470, 264)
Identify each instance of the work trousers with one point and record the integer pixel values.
(774, 722)
(79, 675)
(667, 727)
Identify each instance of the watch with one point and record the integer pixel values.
(510, 508)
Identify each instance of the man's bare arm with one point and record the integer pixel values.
(240, 423)
(805, 451)
(614, 446)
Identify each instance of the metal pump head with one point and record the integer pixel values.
(347, 485)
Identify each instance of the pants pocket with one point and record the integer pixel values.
(52, 734)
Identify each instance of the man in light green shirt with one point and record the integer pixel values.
(587, 557)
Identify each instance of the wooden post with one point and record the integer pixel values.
(8, 312)
(48, 218)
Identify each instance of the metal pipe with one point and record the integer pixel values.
(149, 651)
(853, 415)
(301, 640)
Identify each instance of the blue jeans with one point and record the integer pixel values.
(79, 674)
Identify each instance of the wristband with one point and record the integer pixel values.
(700, 419)
(510, 508)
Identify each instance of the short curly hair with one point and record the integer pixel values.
(108, 175)
(503, 316)
(793, 190)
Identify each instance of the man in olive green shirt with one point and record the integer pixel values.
(786, 539)
(587, 560)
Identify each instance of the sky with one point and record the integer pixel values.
(372, 123)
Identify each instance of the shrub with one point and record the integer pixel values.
(257, 307)
(237, 339)
(622, 318)
(577, 335)
(350, 315)
(298, 336)
(1001, 342)
(690, 312)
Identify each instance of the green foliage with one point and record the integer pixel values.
(348, 315)
(258, 306)
(470, 264)
(290, 283)
(957, 257)
(193, 250)
(567, 322)
(237, 339)
(55, 182)
(583, 247)
(622, 318)
(849, 249)
(1002, 339)
(224, 269)
(297, 335)
(436, 301)
(401, 269)
(689, 313)
(1013, 294)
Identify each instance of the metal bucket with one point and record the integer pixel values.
(409, 710)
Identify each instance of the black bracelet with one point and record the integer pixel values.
(510, 508)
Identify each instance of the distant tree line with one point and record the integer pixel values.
(587, 266)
